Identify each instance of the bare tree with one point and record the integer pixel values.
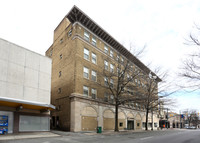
(118, 82)
(191, 117)
(126, 83)
(152, 96)
(191, 67)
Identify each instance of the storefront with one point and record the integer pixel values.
(25, 116)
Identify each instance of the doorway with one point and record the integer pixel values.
(130, 125)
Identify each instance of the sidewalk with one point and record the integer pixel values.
(56, 133)
(27, 135)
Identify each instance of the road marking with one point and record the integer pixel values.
(146, 138)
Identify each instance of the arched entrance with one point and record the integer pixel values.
(89, 119)
(130, 121)
(108, 120)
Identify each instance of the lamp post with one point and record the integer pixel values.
(151, 77)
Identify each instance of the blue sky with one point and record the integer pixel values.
(186, 100)
(161, 25)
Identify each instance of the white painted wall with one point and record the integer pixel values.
(24, 74)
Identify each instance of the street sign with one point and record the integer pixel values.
(182, 116)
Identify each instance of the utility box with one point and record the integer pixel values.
(3, 124)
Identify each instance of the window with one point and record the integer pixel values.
(86, 54)
(106, 97)
(139, 82)
(60, 56)
(106, 65)
(85, 72)
(142, 84)
(131, 68)
(136, 105)
(111, 68)
(138, 124)
(105, 81)
(111, 53)
(94, 93)
(121, 124)
(86, 36)
(111, 83)
(111, 98)
(122, 60)
(94, 76)
(130, 90)
(85, 91)
(70, 33)
(59, 90)
(94, 58)
(143, 124)
(61, 40)
(149, 124)
(58, 108)
(155, 125)
(136, 81)
(117, 58)
(60, 73)
(51, 52)
(118, 70)
(106, 49)
(94, 41)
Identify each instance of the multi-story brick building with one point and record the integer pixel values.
(80, 50)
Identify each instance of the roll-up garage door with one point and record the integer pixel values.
(33, 123)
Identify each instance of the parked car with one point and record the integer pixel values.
(190, 127)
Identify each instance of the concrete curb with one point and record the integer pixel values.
(27, 135)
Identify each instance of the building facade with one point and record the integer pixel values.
(175, 120)
(25, 85)
(80, 50)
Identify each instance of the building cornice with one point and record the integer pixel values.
(76, 15)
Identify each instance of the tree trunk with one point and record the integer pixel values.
(116, 118)
(146, 124)
(152, 119)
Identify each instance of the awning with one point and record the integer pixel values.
(24, 104)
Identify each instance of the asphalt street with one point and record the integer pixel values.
(164, 136)
(189, 136)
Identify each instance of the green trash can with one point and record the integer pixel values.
(99, 130)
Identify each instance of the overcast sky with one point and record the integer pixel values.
(161, 25)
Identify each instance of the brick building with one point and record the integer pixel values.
(80, 50)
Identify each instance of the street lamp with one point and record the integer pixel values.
(153, 77)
